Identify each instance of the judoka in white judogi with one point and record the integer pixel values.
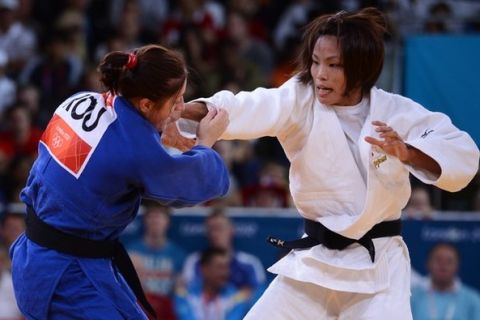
(327, 184)
(339, 179)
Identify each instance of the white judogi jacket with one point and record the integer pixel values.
(326, 183)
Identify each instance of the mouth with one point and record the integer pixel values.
(323, 90)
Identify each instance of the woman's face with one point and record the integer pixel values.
(329, 76)
(161, 115)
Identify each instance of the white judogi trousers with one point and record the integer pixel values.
(288, 299)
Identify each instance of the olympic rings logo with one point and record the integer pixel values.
(57, 141)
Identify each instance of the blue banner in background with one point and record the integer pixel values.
(252, 227)
(442, 73)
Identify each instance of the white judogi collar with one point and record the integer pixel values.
(352, 119)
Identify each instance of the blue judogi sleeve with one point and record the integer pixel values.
(185, 179)
(179, 180)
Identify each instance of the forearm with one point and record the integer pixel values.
(261, 112)
(419, 160)
(195, 111)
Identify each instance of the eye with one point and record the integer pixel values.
(336, 65)
(315, 62)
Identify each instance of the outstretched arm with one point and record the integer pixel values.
(258, 113)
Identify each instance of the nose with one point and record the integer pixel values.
(180, 107)
(177, 110)
(321, 72)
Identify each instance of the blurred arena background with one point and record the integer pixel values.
(49, 49)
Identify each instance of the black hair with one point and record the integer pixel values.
(157, 73)
(360, 37)
(209, 253)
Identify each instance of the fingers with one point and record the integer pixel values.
(221, 114)
(385, 132)
(390, 135)
(381, 126)
(185, 144)
(212, 127)
(218, 117)
(374, 141)
(389, 141)
(211, 114)
(379, 123)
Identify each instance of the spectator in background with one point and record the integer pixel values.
(419, 205)
(56, 73)
(293, 17)
(17, 176)
(195, 27)
(8, 87)
(18, 40)
(158, 260)
(7, 153)
(74, 22)
(152, 14)
(18, 146)
(8, 304)
(125, 32)
(12, 224)
(296, 15)
(253, 50)
(90, 80)
(246, 164)
(208, 16)
(29, 96)
(247, 272)
(284, 68)
(215, 298)
(440, 18)
(272, 189)
(226, 149)
(445, 297)
(20, 131)
(236, 71)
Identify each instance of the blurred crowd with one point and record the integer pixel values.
(50, 49)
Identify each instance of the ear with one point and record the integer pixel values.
(145, 105)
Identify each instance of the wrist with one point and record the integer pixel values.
(195, 111)
(202, 142)
(410, 154)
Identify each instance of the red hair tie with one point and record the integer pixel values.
(132, 61)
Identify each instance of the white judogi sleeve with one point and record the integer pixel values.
(262, 112)
(434, 134)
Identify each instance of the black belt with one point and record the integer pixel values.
(317, 234)
(49, 237)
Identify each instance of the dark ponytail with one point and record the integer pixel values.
(111, 69)
(152, 72)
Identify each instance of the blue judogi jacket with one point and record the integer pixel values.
(95, 163)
